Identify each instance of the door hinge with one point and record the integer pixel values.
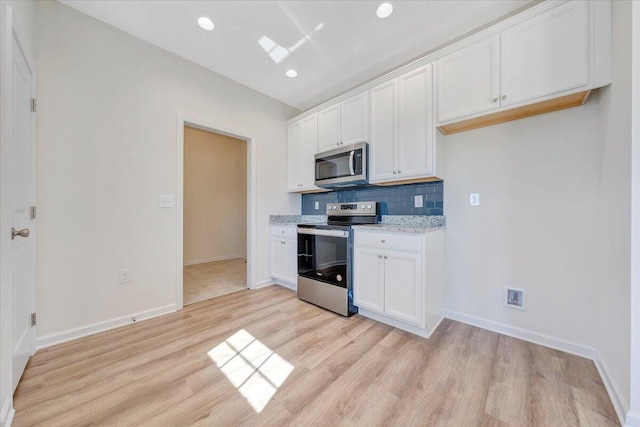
(33, 212)
(33, 319)
(33, 105)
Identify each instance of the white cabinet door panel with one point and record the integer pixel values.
(368, 279)
(308, 151)
(354, 119)
(277, 258)
(416, 132)
(290, 261)
(294, 140)
(384, 131)
(468, 80)
(545, 55)
(329, 128)
(403, 286)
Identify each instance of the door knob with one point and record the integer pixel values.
(22, 233)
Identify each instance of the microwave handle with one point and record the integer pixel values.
(351, 166)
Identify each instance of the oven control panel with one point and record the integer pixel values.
(352, 209)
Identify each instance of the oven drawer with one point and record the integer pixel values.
(284, 231)
(397, 241)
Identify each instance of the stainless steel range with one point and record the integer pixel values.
(325, 254)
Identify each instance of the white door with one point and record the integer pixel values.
(403, 286)
(329, 128)
(309, 146)
(368, 279)
(468, 80)
(277, 258)
(294, 134)
(384, 131)
(23, 248)
(416, 130)
(545, 55)
(354, 119)
(291, 261)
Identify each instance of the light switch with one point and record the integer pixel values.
(474, 199)
(417, 201)
(317, 205)
(167, 201)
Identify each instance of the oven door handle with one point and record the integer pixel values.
(351, 165)
(322, 232)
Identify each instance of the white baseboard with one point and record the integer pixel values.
(263, 283)
(293, 287)
(633, 419)
(83, 331)
(268, 282)
(620, 403)
(588, 352)
(217, 258)
(421, 332)
(6, 416)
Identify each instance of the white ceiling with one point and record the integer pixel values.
(334, 45)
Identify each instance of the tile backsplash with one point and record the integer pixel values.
(394, 200)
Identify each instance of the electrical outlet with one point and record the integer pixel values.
(316, 205)
(474, 199)
(417, 201)
(167, 201)
(515, 298)
(125, 276)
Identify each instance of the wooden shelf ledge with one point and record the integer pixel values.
(548, 106)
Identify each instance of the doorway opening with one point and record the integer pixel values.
(214, 215)
(215, 212)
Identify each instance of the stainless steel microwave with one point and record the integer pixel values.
(343, 167)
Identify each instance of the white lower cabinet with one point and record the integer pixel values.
(284, 255)
(398, 278)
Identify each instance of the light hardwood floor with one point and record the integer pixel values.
(212, 279)
(345, 371)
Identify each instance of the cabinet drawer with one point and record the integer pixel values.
(284, 231)
(402, 242)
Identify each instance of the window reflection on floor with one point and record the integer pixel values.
(254, 369)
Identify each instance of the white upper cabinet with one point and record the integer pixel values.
(354, 119)
(402, 128)
(302, 137)
(344, 123)
(545, 55)
(383, 143)
(294, 149)
(468, 80)
(329, 128)
(416, 130)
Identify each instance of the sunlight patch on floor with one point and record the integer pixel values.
(254, 369)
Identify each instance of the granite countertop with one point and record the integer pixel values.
(407, 224)
(391, 223)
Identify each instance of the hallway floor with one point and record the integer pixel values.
(212, 279)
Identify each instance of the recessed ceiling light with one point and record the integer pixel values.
(291, 73)
(205, 23)
(384, 10)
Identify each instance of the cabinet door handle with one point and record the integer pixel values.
(386, 257)
(394, 172)
(494, 100)
(504, 97)
(399, 171)
(382, 240)
(380, 256)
